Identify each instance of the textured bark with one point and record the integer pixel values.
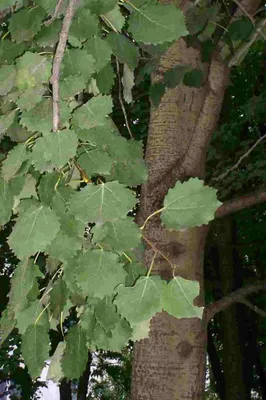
(170, 364)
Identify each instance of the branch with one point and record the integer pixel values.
(240, 203)
(253, 307)
(242, 8)
(121, 100)
(56, 13)
(59, 54)
(224, 175)
(232, 298)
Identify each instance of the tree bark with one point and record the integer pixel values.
(170, 364)
(84, 380)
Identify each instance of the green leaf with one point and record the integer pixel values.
(134, 270)
(33, 314)
(83, 27)
(14, 160)
(39, 118)
(72, 85)
(35, 349)
(6, 121)
(105, 79)
(34, 230)
(22, 282)
(128, 81)
(71, 226)
(6, 201)
(76, 353)
(104, 202)
(58, 297)
(17, 133)
(240, 29)
(95, 162)
(100, 50)
(106, 314)
(32, 69)
(55, 372)
(98, 273)
(129, 167)
(174, 76)
(194, 78)
(120, 336)
(141, 330)
(30, 98)
(120, 235)
(63, 247)
(189, 204)
(114, 19)
(123, 49)
(54, 149)
(93, 113)
(49, 5)
(10, 50)
(78, 61)
(7, 324)
(7, 79)
(140, 302)
(178, 296)
(157, 24)
(49, 35)
(26, 23)
(100, 6)
(156, 93)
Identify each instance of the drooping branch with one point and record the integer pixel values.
(234, 297)
(240, 203)
(245, 155)
(59, 54)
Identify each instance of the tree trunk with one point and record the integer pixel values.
(65, 390)
(84, 380)
(232, 354)
(170, 364)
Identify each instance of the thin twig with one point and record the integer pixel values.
(240, 6)
(56, 13)
(156, 250)
(121, 100)
(59, 54)
(253, 307)
(224, 175)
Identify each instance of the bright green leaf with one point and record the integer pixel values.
(32, 70)
(105, 79)
(157, 24)
(55, 372)
(7, 324)
(100, 6)
(189, 204)
(120, 235)
(14, 160)
(78, 61)
(98, 273)
(178, 296)
(63, 247)
(34, 230)
(104, 202)
(95, 162)
(100, 50)
(93, 113)
(140, 302)
(114, 19)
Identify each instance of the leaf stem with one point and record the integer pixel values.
(152, 263)
(152, 215)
